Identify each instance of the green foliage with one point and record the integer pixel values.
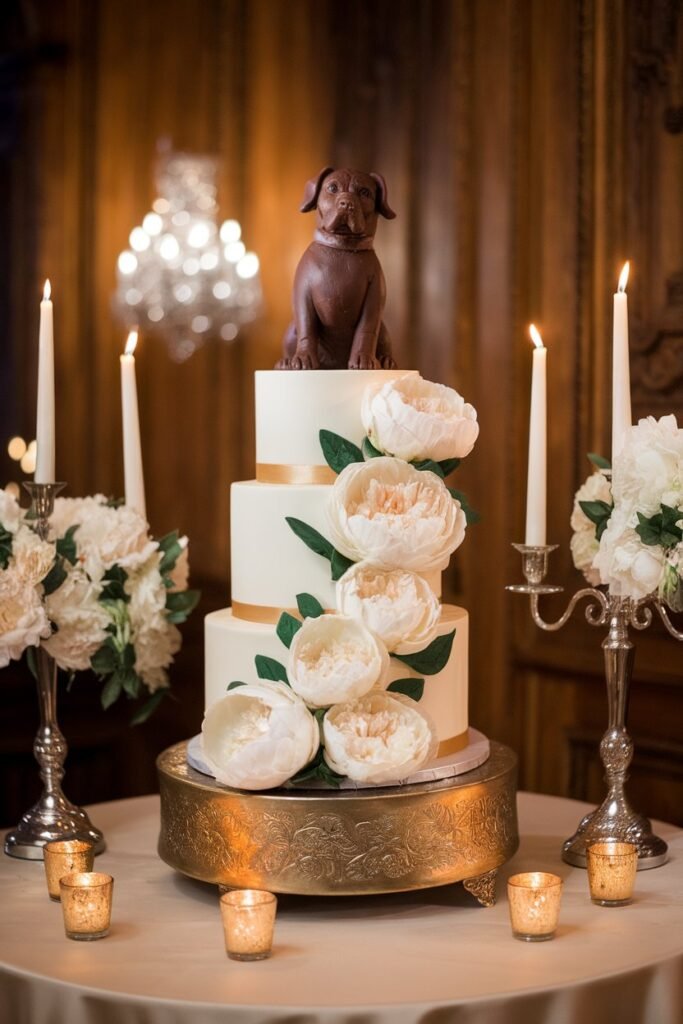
(413, 688)
(432, 659)
(471, 515)
(287, 628)
(599, 460)
(171, 549)
(339, 453)
(309, 606)
(269, 668)
(662, 528)
(149, 706)
(430, 465)
(55, 577)
(339, 564)
(66, 545)
(318, 770)
(179, 604)
(234, 684)
(316, 542)
(5, 547)
(369, 450)
(113, 585)
(598, 512)
(448, 465)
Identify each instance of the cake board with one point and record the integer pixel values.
(341, 842)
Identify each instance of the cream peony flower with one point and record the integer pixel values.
(80, 619)
(33, 558)
(584, 545)
(648, 472)
(156, 640)
(396, 605)
(335, 658)
(414, 419)
(397, 517)
(11, 513)
(70, 512)
(380, 738)
(23, 622)
(105, 536)
(258, 736)
(629, 567)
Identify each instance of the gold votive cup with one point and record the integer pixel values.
(86, 904)
(248, 922)
(612, 868)
(63, 857)
(534, 900)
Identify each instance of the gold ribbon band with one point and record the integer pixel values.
(453, 744)
(276, 473)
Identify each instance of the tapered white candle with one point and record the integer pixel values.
(536, 476)
(132, 449)
(621, 375)
(45, 416)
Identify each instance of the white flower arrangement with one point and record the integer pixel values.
(629, 536)
(391, 517)
(103, 595)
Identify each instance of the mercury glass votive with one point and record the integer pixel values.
(248, 921)
(612, 868)
(86, 904)
(63, 857)
(534, 900)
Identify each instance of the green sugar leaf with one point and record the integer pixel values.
(234, 684)
(309, 606)
(369, 450)
(152, 704)
(171, 549)
(111, 691)
(311, 538)
(432, 659)
(269, 668)
(598, 512)
(66, 545)
(55, 577)
(430, 465)
(339, 453)
(339, 564)
(448, 465)
(179, 604)
(287, 628)
(113, 585)
(132, 684)
(471, 515)
(413, 688)
(5, 547)
(105, 659)
(599, 460)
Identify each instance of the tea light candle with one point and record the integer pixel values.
(534, 900)
(612, 870)
(248, 921)
(86, 904)
(63, 857)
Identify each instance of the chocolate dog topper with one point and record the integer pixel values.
(339, 290)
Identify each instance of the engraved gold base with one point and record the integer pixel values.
(345, 842)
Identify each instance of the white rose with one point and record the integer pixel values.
(33, 558)
(258, 736)
(395, 516)
(584, 548)
(109, 536)
(648, 471)
(629, 567)
(70, 512)
(23, 622)
(414, 419)
(80, 619)
(584, 544)
(155, 639)
(11, 513)
(335, 658)
(382, 737)
(396, 605)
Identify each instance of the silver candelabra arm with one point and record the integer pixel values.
(597, 611)
(677, 634)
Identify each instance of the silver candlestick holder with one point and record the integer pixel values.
(614, 818)
(53, 817)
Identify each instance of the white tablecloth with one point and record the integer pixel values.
(436, 957)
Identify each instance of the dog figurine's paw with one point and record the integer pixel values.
(363, 361)
(304, 359)
(387, 363)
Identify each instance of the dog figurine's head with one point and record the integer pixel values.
(348, 204)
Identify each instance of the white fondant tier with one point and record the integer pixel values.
(293, 406)
(231, 644)
(270, 564)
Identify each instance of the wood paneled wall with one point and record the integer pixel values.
(529, 148)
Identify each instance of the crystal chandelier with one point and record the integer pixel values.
(184, 275)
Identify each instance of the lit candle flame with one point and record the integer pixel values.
(47, 290)
(623, 277)
(535, 336)
(131, 342)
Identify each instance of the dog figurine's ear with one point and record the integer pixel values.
(381, 201)
(312, 190)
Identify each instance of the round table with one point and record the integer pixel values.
(434, 956)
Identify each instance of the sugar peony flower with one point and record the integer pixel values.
(584, 544)
(397, 517)
(396, 605)
(648, 472)
(380, 738)
(33, 558)
(335, 658)
(629, 567)
(106, 536)
(23, 622)
(258, 736)
(414, 419)
(80, 619)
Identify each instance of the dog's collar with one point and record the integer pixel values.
(343, 242)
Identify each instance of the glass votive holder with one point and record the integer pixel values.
(612, 868)
(248, 922)
(534, 900)
(63, 857)
(86, 904)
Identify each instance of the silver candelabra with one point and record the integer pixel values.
(614, 818)
(53, 817)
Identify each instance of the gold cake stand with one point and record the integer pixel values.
(333, 843)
